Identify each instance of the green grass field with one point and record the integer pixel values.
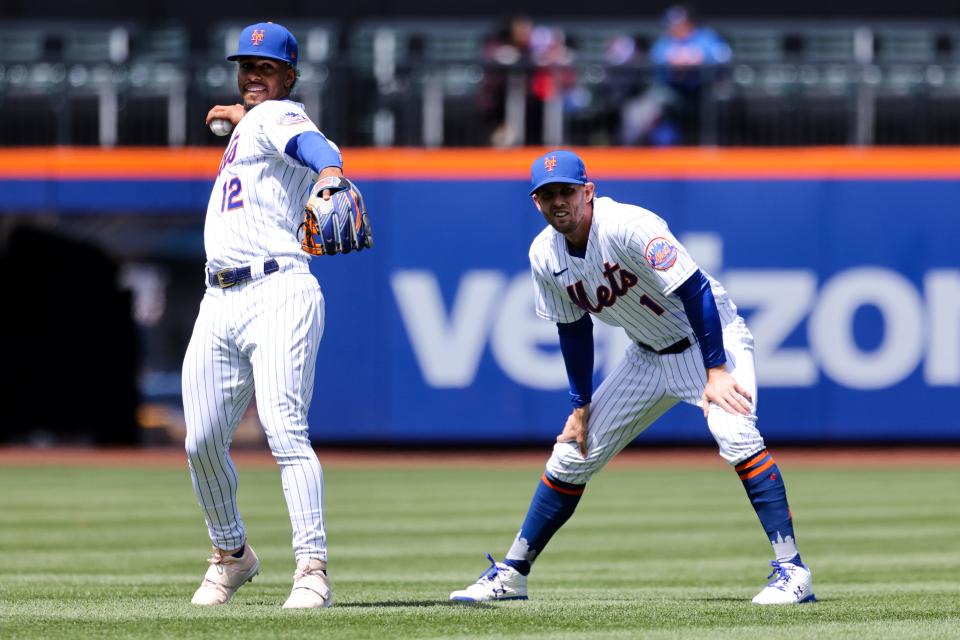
(652, 553)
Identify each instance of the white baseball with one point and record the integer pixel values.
(221, 127)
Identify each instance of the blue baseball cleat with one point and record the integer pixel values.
(499, 582)
(791, 584)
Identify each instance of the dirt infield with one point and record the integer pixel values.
(632, 457)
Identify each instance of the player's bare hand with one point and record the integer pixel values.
(232, 112)
(325, 175)
(575, 430)
(724, 391)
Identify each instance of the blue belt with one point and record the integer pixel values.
(228, 277)
(677, 347)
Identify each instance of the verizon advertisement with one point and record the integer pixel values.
(850, 287)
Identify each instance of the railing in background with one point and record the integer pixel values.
(425, 83)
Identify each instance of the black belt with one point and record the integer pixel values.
(228, 277)
(676, 347)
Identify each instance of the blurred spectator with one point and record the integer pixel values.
(684, 60)
(624, 81)
(540, 52)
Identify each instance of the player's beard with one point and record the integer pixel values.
(258, 98)
(570, 221)
(576, 224)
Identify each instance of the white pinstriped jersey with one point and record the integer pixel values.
(260, 336)
(631, 266)
(246, 223)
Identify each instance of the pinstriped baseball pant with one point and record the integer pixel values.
(643, 387)
(260, 336)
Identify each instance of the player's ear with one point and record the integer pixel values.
(589, 190)
(536, 203)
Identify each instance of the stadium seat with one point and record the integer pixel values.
(418, 81)
(426, 75)
(156, 86)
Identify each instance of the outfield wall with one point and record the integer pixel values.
(844, 262)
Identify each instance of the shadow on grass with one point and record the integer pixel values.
(717, 599)
(412, 603)
(733, 599)
(369, 605)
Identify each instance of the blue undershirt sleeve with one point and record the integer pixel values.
(313, 150)
(576, 345)
(704, 317)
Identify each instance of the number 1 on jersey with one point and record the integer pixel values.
(648, 302)
(232, 195)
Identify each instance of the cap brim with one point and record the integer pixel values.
(237, 56)
(555, 180)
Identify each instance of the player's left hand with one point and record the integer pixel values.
(328, 183)
(725, 392)
(575, 430)
(331, 225)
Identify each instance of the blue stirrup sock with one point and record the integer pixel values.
(552, 505)
(764, 485)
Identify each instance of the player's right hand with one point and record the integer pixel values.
(575, 430)
(724, 391)
(232, 112)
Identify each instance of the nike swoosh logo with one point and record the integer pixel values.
(558, 273)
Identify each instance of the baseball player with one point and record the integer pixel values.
(261, 318)
(621, 264)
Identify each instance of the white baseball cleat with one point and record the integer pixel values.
(499, 582)
(225, 575)
(791, 584)
(311, 586)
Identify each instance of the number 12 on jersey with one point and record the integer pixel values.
(232, 195)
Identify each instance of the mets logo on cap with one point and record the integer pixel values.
(256, 37)
(660, 253)
(550, 163)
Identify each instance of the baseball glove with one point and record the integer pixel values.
(337, 225)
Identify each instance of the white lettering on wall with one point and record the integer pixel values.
(524, 345)
(830, 330)
(448, 349)
(489, 307)
(942, 290)
(780, 301)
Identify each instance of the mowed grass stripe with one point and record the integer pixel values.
(658, 553)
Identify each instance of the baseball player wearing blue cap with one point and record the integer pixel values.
(622, 264)
(261, 318)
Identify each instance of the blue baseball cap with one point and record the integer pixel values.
(557, 166)
(267, 40)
